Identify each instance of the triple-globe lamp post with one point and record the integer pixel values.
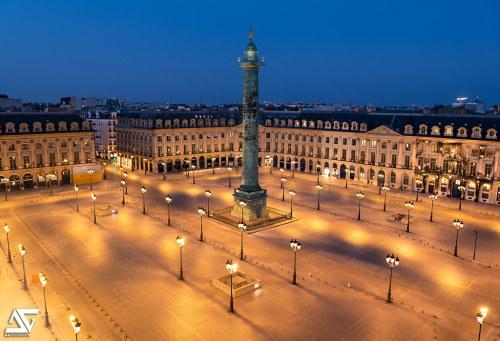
(392, 262)
(433, 197)
(292, 194)
(295, 245)
(43, 280)
(7, 229)
(143, 190)
(319, 188)
(202, 212)
(360, 196)
(232, 268)
(168, 199)
(180, 242)
(385, 189)
(242, 227)
(409, 205)
(458, 226)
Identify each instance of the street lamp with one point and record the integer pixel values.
(187, 168)
(293, 168)
(193, 167)
(103, 169)
(319, 188)
(208, 194)
(243, 204)
(6, 180)
(347, 172)
(283, 180)
(270, 163)
(76, 325)
(461, 190)
(180, 242)
(232, 268)
(164, 169)
(229, 169)
(480, 318)
(380, 184)
(360, 196)
(318, 168)
(43, 280)
(93, 199)
(50, 182)
(23, 251)
(145, 166)
(418, 183)
(242, 227)
(201, 211)
(76, 194)
(168, 199)
(282, 171)
(433, 197)
(125, 174)
(7, 229)
(295, 245)
(475, 243)
(123, 191)
(143, 190)
(292, 194)
(236, 158)
(385, 189)
(392, 262)
(132, 162)
(409, 205)
(121, 172)
(90, 172)
(458, 225)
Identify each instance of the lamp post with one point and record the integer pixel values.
(292, 194)
(295, 245)
(418, 183)
(461, 190)
(43, 280)
(90, 172)
(180, 242)
(242, 227)
(293, 168)
(243, 204)
(283, 180)
(392, 262)
(201, 211)
(475, 243)
(120, 155)
(360, 196)
(213, 165)
(232, 268)
(7, 229)
(229, 169)
(187, 168)
(385, 189)
(409, 205)
(143, 190)
(104, 170)
(50, 182)
(282, 171)
(347, 172)
(121, 172)
(23, 251)
(164, 170)
(458, 225)
(168, 199)
(145, 166)
(480, 318)
(318, 168)
(208, 195)
(319, 188)
(125, 174)
(193, 167)
(76, 194)
(123, 191)
(6, 180)
(236, 158)
(380, 184)
(132, 161)
(270, 162)
(93, 199)
(76, 325)
(433, 197)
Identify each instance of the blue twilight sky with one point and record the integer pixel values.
(385, 52)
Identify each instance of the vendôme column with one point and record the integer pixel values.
(250, 191)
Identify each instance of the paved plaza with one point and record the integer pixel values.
(121, 275)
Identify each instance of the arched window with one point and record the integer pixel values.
(422, 129)
(372, 174)
(363, 127)
(491, 134)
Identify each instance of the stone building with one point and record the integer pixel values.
(396, 148)
(36, 148)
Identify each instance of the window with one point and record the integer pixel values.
(393, 177)
(487, 170)
(327, 140)
(407, 161)
(86, 142)
(336, 140)
(394, 160)
(407, 147)
(374, 144)
(384, 145)
(319, 139)
(394, 146)
(52, 144)
(12, 147)
(52, 159)
(25, 146)
(363, 143)
(382, 158)
(87, 157)
(344, 141)
(13, 164)
(159, 138)
(76, 143)
(38, 145)
(353, 142)
(406, 179)
(39, 160)
(76, 156)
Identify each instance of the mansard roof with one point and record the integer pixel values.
(30, 118)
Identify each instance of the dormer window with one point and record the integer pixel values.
(423, 129)
(9, 128)
(448, 131)
(311, 124)
(304, 124)
(86, 125)
(354, 126)
(290, 123)
(192, 123)
(283, 123)
(176, 123)
(268, 123)
(328, 125)
(50, 127)
(200, 123)
(319, 124)
(336, 125)
(37, 127)
(297, 123)
(435, 130)
(184, 123)
(462, 132)
(276, 122)
(74, 126)
(345, 126)
(216, 123)
(158, 123)
(476, 132)
(62, 126)
(23, 128)
(491, 134)
(408, 129)
(231, 123)
(363, 127)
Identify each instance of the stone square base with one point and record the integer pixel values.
(256, 205)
